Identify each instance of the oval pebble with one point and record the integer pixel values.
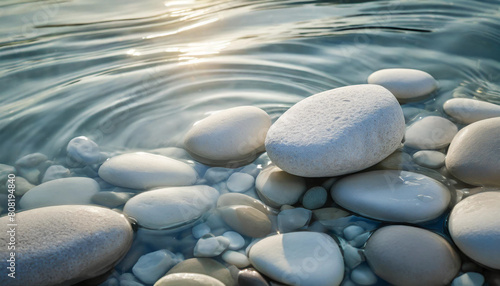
(210, 246)
(352, 231)
(404, 83)
(474, 226)
(276, 187)
(315, 198)
(205, 266)
(66, 191)
(467, 111)
(431, 132)
(235, 135)
(200, 230)
(363, 275)
(55, 172)
(144, 171)
(83, 150)
(250, 277)
(110, 199)
(171, 207)
(354, 126)
(235, 258)
(236, 241)
(429, 159)
(240, 182)
(80, 242)
(188, 279)
(299, 258)
(231, 199)
(390, 195)
(246, 220)
(293, 219)
(151, 266)
(408, 256)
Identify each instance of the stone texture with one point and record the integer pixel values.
(246, 220)
(404, 83)
(276, 187)
(429, 159)
(431, 132)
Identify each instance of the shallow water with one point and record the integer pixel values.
(136, 74)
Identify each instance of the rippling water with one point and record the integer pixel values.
(136, 74)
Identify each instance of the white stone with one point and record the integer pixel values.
(468, 279)
(234, 135)
(391, 195)
(467, 110)
(171, 207)
(240, 182)
(66, 191)
(144, 171)
(236, 241)
(232, 199)
(410, 256)
(277, 187)
(188, 279)
(237, 259)
(315, 198)
(83, 150)
(200, 230)
(429, 159)
(474, 226)
(246, 220)
(151, 266)
(431, 132)
(299, 258)
(55, 172)
(63, 245)
(293, 219)
(404, 83)
(473, 155)
(363, 275)
(337, 132)
(210, 246)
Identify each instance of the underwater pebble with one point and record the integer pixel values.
(235, 258)
(150, 267)
(200, 230)
(467, 111)
(475, 228)
(429, 159)
(431, 132)
(363, 275)
(217, 174)
(242, 199)
(110, 199)
(236, 241)
(22, 185)
(468, 279)
(188, 279)
(352, 231)
(5, 170)
(352, 256)
(206, 266)
(210, 246)
(404, 83)
(83, 150)
(235, 135)
(314, 198)
(240, 182)
(354, 126)
(276, 187)
(250, 277)
(293, 219)
(31, 160)
(246, 220)
(144, 171)
(55, 172)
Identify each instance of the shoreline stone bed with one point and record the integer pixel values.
(345, 188)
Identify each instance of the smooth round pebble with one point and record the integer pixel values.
(299, 258)
(83, 150)
(315, 198)
(473, 155)
(151, 266)
(240, 182)
(206, 266)
(390, 195)
(144, 171)
(246, 220)
(210, 246)
(171, 207)
(276, 187)
(236, 241)
(235, 135)
(55, 172)
(63, 245)
(468, 279)
(200, 230)
(407, 256)
(354, 126)
(429, 159)
(293, 219)
(467, 111)
(363, 275)
(231, 199)
(404, 83)
(22, 186)
(352, 231)
(250, 277)
(431, 132)
(31, 160)
(474, 226)
(66, 191)
(235, 258)
(188, 279)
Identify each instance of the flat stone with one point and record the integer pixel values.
(81, 242)
(206, 266)
(404, 83)
(83, 150)
(293, 219)
(55, 172)
(200, 230)
(363, 275)
(235, 258)
(246, 220)
(431, 132)
(429, 159)
(66, 191)
(151, 266)
(405, 255)
(354, 126)
(475, 228)
(240, 182)
(315, 198)
(232, 199)
(145, 171)
(467, 111)
(171, 207)
(188, 279)
(276, 187)
(250, 277)
(235, 136)
(299, 258)
(390, 195)
(352, 231)
(473, 155)
(31, 160)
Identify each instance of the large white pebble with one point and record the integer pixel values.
(404, 83)
(83, 150)
(171, 207)
(144, 171)
(474, 225)
(432, 132)
(473, 156)
(429, 158)
(151, 266)
(410, 256)
(55, 172)
(66, 191)
(240, 182)
(337, 132)
(467, 110)
(397, 196)
(234, 135)
(299, 258)
(276, 187)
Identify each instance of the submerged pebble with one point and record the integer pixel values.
(151, 266)
(250, 277)
(293, 219)
(246, 220)
(431, 132)
(235, 258)
(276, 187)
(236, 241)
(205, 266)
(404, 83)
(55, 172)
(467, 111)
(429, 159)
(83, 150)
(210, 246)
(315, 198)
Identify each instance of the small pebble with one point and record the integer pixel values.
(216, 175)
(31, 160)
(210, 246)
(352, 256)
(200, 230)
(188, 279)
(429, 159)
(83, 150)
(352, 231)
(235, 258)
(276, 187)
(110, 199)
(363, 275)
(246, 220)
(206, 266)
(150, 267)
(468, 279)
(240, 182)
(55, 172)
(293, 219)
(22, 185)
(431, 132)
(314, 198)
(236, 241)
(468, 111)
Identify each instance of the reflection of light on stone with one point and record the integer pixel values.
(133, 52)
(199, 24)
